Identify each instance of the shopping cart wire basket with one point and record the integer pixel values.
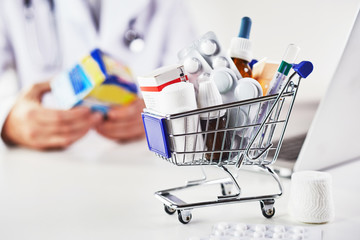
(241, 133)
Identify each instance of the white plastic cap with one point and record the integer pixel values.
(291, 53)
(241, 48)
(209, 96)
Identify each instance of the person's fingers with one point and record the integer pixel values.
(74, 126)
(122, 134)
(42, 136)
(109, 125)
(50, 116)
(96, 118)
(135, 137)
(124, 123)
(123, 112)
(37, 91)
(29, 124)
(47, 140)
(58, 141)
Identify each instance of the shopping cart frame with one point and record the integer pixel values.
(253, 155)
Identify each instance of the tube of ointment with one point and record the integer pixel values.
(279, 79)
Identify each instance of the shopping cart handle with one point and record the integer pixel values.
(303, 69)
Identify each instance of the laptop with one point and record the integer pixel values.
(333, 136)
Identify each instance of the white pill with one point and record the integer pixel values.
(298, 229)
(241, 227)
(208, 47)
(217, 233)
(192, 65)
(220, 62)
(223, 80)
(245, 90)
(279, 228)
(260, 228)
(259, 234)
(222, 226)
(297, 237)
(278, 236)
(238, 233)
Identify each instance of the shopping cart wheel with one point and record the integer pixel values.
(267, 208)
(169, 210)
(226, 188)
(184, 216)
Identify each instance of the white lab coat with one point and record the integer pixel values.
(168, 31)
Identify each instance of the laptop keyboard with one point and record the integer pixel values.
(290, 148)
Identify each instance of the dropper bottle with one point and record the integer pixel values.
(240, 48)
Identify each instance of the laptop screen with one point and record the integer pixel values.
(333, 137)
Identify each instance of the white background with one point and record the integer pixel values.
(320, 28)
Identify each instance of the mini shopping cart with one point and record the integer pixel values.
(245, 137)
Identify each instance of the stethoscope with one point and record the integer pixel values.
(48, 60)
(133, 37)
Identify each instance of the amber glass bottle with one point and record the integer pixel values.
(217, 141)
(243, 66)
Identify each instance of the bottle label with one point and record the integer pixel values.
(276, 85)
(279, 79)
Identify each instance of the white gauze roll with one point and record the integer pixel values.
(177, 98)
(311, 199)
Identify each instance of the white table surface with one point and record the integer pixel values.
(98, 189)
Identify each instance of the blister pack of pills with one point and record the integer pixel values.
(195, 66)
(210, 49)
(242, 231)
(205, 57)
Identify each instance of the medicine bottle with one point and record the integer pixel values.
(240, 48)
(218, 141)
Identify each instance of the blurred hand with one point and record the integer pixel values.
(124, 123)
(31, 125)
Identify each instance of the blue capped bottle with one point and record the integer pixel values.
(240, 49)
